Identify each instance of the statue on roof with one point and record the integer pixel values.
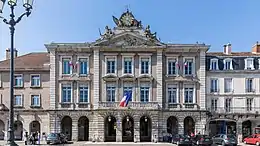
(108, 33)
(127, 19)
(149, 34)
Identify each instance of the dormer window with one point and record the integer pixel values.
(228, 64)
(214, 64)
(249, 63)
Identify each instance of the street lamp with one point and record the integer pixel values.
(12, 22)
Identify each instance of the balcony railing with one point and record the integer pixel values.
(237, 110)
(132, 105)
(183, 106)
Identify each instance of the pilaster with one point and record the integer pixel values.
(181, 126)
(74, 129)
(136, 131)
(202, 77)
(53, 80)
(200, 126)
(159, 78)
(239, 130)
(96, 78)
(119, 131)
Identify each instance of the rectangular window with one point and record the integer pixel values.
(128, 89)
(144, 93)
(188, 67)
(111, 65)
(128, 65)
(213, 85)
(214, 104)
(228, 64)
(83, 93)
(66, 93)
(111, 93)
(228, 85)
(18, 100)
(213, 64)
(35, 100)
(228, 104)
(172, 95)
(83, 66)
(66, 66)
(145, 65)
(18, 80)
(249, 63)
(35, 80)
(188, 95)
(172, 66)
(249, 104)
(249, 85)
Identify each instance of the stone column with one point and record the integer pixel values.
(202, 78)
(74, 129)
(159, 78)
(96, 81)
(53, 78)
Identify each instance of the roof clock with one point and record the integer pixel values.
(127, 19)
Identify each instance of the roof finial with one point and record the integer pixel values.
(127, 7)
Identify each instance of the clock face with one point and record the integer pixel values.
(127, 19)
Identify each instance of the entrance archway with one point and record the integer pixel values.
(18, 130)
(66, 126)
(128, 129)
(246, 128)
(2, 129)
(110, 129)
(189, 125)
(83, 129)
(35, 126)
(145, 129)
(172, 125)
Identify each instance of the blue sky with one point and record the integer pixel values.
(214, 22)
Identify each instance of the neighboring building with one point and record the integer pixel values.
(31, 93)
(88, 80)
(233, 93)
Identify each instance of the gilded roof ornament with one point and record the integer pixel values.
(127, 19)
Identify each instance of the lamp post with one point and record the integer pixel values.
(12, 23)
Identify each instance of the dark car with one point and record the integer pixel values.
(202, 140)
(56, 138)
(181, 139)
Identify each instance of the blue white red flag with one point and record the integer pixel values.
(127, 97)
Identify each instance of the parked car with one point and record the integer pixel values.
(56, 138)
(202, 140)
(252, 139)
(225, 139)
(181, 139)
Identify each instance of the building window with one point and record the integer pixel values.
(35, 100)
(228, 104)
(111, 65)
(214, 104)
(188, 95)
(35, 80)
(172, 95)
(129, 90)
(144, 93)
(83, 66)
(18, 100)
(128, 65)
(66, 66)
(18, 80)
(249, 104)
(228, 85)
(172, 66)
(228, 64)
(145, 65)
(111, 93)
(66, 93)
(213, 64)
(249, 85)
(83, 93)
(249, 63)
(188, 67)
(213, 85)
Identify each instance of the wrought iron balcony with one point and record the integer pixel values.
(132, 105)
(234, 110)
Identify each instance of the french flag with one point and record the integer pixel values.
(127, 97)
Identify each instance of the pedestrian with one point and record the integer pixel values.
(38, 137)
(26, 138)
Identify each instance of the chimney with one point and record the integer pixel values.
(227, 49)
(256, 48)
(8, 54)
